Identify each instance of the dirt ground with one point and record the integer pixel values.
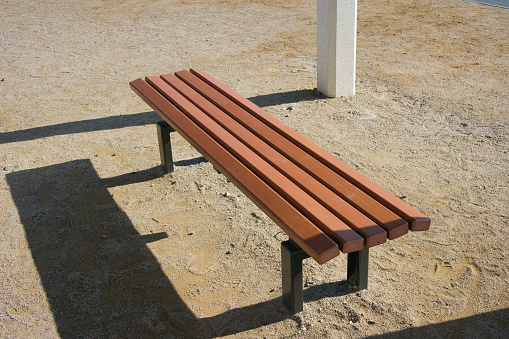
(97, 242)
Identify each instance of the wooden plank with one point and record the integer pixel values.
(368, 229)
(391, 222)
(337, 230)
(416, 220)
(309, 237)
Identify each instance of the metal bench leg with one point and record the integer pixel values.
(291, 271)
(357, 271)
(163, 135)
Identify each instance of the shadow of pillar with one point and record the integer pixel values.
(100, 278)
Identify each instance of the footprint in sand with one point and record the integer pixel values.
(460, 274)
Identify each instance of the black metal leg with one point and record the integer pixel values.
(291, 271)
(163, 135)
(357, 271)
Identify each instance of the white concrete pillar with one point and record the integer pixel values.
(336, 44)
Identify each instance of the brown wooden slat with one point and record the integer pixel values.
(417, 220)
(317, 244)
(368, 229)
(336, 229)
(392, 223)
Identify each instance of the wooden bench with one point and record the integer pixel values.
(322, 204)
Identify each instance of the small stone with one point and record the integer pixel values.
(228, 253)
(256, 215)
(272, 290)
(289, 108)
(190, 233)
(369, 117)
(104, 236)
(371, 322)
(114, 155)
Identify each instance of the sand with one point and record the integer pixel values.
(97, 242)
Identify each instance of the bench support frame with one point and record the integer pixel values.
(163, 135)
(357, 268)
(291, 271)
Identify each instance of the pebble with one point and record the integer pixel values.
(256, 215)
(369, 117)
(371, 322)
(190, 233)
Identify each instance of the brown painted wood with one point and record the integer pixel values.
(391, 222)
(309, 237)
(416, 219)
(368, 229)
(318, 200)
(336, 229)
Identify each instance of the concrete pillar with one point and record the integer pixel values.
(336, 44)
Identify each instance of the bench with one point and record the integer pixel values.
(323, 205)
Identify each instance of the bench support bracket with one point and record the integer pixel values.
(163, 135)
(357, 270)
(291, 270)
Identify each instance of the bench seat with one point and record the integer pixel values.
(322, 204)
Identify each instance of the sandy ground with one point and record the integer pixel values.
(97, 242)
